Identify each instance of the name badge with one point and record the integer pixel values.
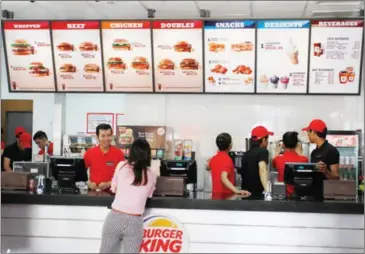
(110, 163)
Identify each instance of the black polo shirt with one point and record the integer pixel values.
(250, 170)
(15, 154)
(326, 153)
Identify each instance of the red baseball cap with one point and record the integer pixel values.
(26, 140)
(260, 132)
(19, 130)
(316, 125)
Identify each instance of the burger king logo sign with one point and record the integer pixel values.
(163, 234)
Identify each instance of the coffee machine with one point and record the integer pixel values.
(177, 178)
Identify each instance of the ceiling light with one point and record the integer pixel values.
(338, 2)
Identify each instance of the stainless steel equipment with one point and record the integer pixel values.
(170, 186)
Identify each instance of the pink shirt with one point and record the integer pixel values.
(129, 198)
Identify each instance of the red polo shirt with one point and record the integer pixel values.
(220, 163)
(279, 163)
(50, 149)
(102, 165)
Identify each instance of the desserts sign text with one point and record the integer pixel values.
(285, 24)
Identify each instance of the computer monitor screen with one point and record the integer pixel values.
(71, 165)
(306, 179)
(34, 168)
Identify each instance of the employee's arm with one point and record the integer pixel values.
(6, 165)
(263, 174)
(332, 170)
(230, 186)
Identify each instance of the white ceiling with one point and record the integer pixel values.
(177, 9)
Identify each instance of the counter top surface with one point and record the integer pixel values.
(197, 200)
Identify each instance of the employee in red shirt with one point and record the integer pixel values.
(292, 153)
(102, 160)
(222, 169)
(41, 139)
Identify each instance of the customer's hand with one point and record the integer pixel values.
(104, 186)
(243, 193)
(92, 186)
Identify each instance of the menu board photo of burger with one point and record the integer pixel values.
(335, 58)
(282, 56)
(229, 56)
(77, 56)
(127, 54)
(29, 56)
(178, 56)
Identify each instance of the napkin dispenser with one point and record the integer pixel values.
(14, 180)
(339, 189)
(169, 186)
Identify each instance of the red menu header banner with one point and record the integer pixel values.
(126, 24)
(178, 24)
(75, 25)
(26, 25)
(338, 23)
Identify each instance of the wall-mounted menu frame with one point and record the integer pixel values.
(229, 56)
(310, 49)
(28, 56)
(127, 51)
(282, 56)
(94, 119)
(78, 56)
(336, 56)
(178, 56)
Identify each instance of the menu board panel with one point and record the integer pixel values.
(77, 55)
(282, 56)
(229, 56)
(29, 56)
(127, 51)
(335, 58)
(178, 56)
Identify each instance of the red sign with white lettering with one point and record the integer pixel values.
(125, 24)
(72, 25)
(29, 56)
(338, 23)
(178, 24)
(26, 25)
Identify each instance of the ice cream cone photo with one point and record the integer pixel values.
(294, 58)
(292, 51)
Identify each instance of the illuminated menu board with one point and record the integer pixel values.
(127, 52)
(282, 56)
(77, 55)
(335, 59)
(178, 56)
(229, 56)
(29, 56)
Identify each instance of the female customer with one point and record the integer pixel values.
(133, 183)
(292, 153)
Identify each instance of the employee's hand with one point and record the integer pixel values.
(278, 149)
(299, 148)
(207, 168)
(92, 186)
(321, 166)
(243, 193)
(104, 186)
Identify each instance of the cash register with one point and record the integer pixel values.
(67, 171)
(306, 179)
(177, 178)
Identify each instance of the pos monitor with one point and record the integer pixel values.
(306, 179)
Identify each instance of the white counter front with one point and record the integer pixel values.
(77, 229)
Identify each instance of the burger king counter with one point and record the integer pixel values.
(197, 224)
